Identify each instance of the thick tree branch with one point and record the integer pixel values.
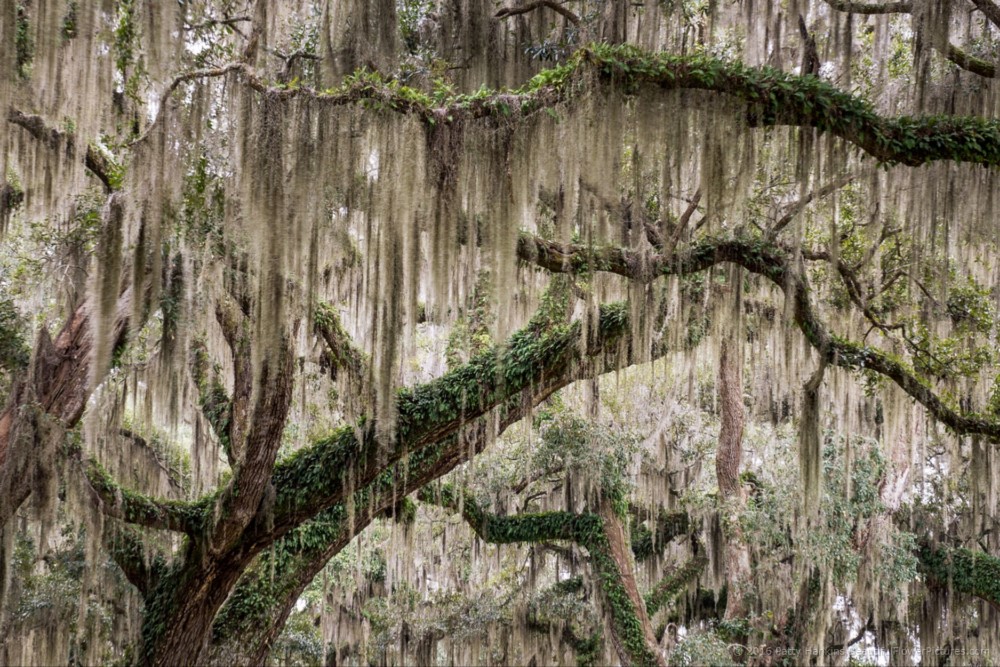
(770, 98)
(542, 355)
(774, 262)
(964, 570)
(58, 384)
(95, 160)
(870, 9)
(119, 502)
(989, 9)
(969, 62)
(255, 448)
(284, 570)
(538, 4)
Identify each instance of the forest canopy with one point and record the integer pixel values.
(594, 332)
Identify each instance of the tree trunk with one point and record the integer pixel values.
(727, 467)
(620, 552)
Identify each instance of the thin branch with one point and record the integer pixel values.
(208, 73)
(210, 23)
(953, 53)
(797, 207)
(683, 221)
(774, 263)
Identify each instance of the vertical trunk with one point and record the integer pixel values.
(177, 624)
(632, 633)
(727, 468)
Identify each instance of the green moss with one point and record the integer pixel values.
(24, 45)
(771, 97)
(69, 22)
(966, 571)
(188, 516)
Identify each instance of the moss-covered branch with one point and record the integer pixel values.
(774, 262)
(341, 354)
(497, 529)
(964, 570)
(257, 610)
(591, 531)
(674, 583)
(769, 97)
(544, 355)
(668, 525)
(135, 508)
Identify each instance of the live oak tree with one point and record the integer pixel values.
(268, 271)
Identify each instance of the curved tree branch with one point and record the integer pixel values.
(989, 9)
(770, 98)
(99, 164)
(538, 4)
(774, 262)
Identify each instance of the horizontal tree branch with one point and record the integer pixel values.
(99, 164)
(121, 503)
(538, 4)
(769, 96)
(871, 9)
(970, 572)
(774, 262)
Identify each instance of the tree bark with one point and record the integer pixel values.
(58, 384)
(620, 552)
(727, 467)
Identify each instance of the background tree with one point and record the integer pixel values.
(270, 270)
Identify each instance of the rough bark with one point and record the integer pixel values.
(620, 553)
(732, 497)
(58, 384)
